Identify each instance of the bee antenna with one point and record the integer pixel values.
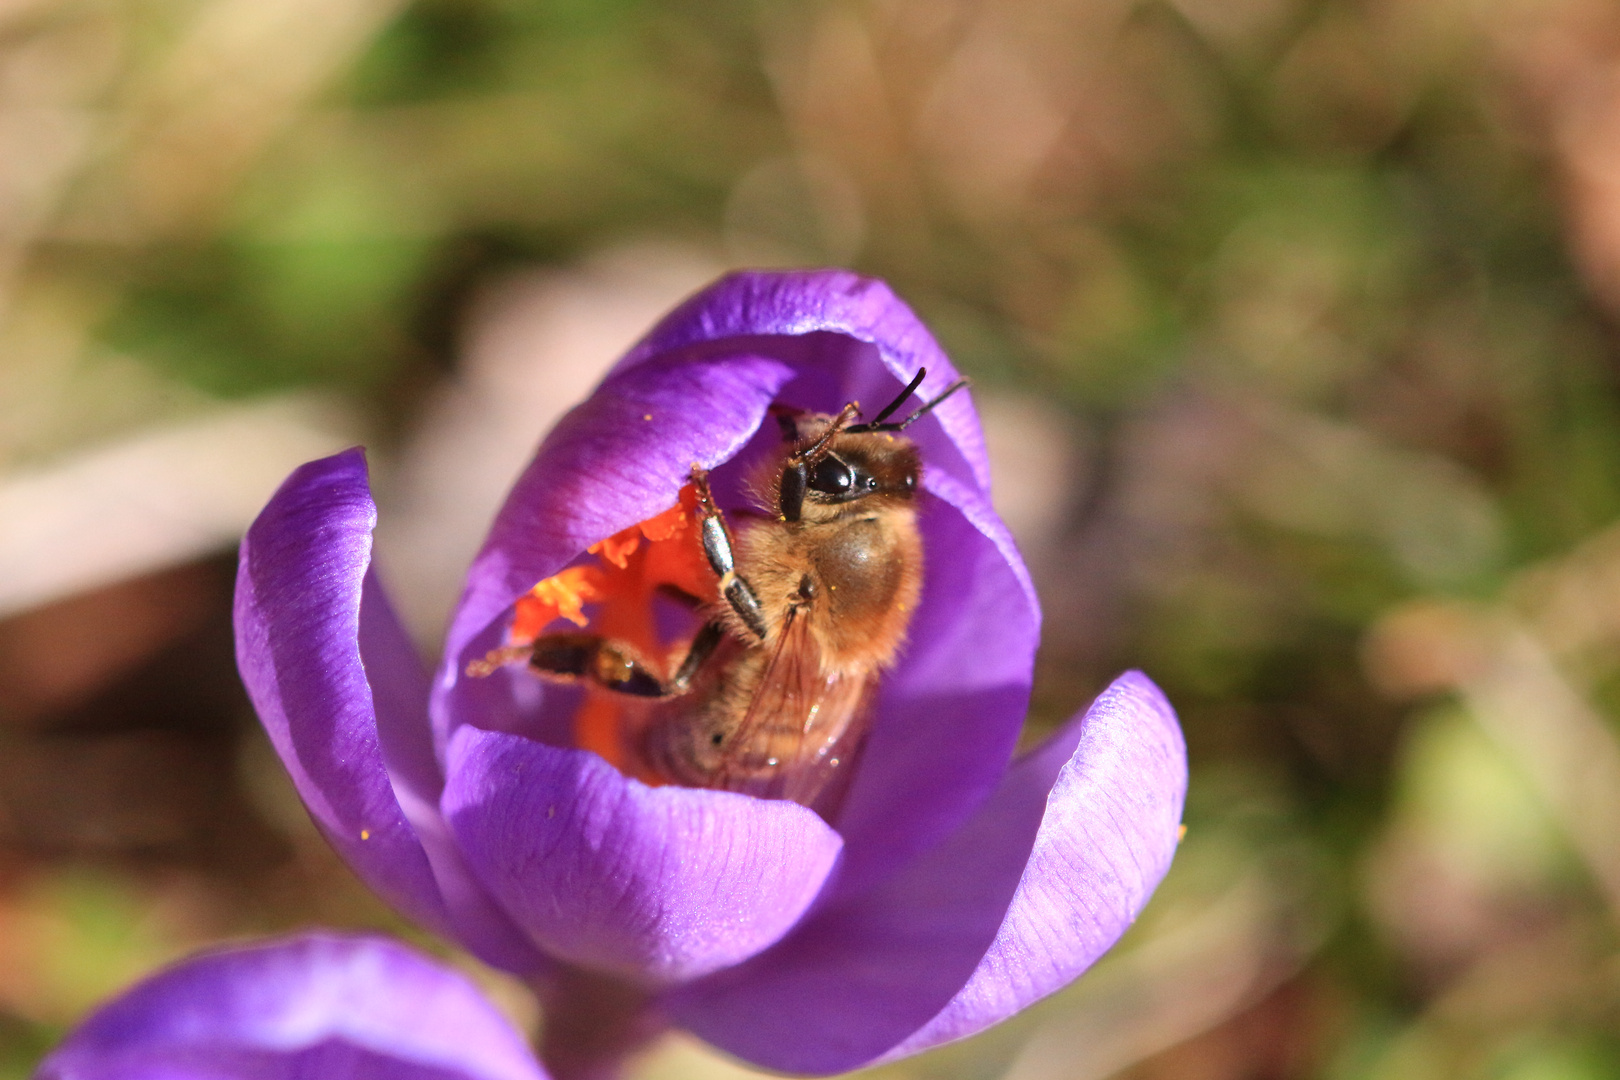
(927, 407)
(891, 407)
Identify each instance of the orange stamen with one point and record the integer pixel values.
(665, 526)
(618, 548)
(561, 596)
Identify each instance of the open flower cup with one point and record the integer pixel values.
(954, 885)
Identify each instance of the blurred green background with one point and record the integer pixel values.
(1293, 323)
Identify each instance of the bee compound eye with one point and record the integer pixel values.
(832, 477)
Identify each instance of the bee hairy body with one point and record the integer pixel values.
(837, 588)
(855, 567)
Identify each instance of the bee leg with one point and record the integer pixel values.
(615, 666)
(718, 549)
(612, 665)
(703, 646)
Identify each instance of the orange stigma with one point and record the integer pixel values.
(614, 597)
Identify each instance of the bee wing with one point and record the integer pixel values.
(821, 774)
(803, 725)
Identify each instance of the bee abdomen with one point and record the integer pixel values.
(708, 750)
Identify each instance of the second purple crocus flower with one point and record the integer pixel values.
(955, 886)
(313, 1006)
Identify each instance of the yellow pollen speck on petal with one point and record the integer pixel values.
(365, 834)
(646, 416)
(1181, 833)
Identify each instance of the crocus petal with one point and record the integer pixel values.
(340, 1008)
(952, 709)
(705, 377)
(344, 701)
(655, 884)
(810, 302)
(1042, 881)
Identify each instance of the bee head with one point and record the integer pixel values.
(835, 461)
(859, 466)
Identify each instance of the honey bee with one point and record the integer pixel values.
(815, 595)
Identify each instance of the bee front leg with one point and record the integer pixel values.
(703, 646)
(719, 550)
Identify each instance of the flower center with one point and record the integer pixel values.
(614, 597)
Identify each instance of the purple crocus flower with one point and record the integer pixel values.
(318, 1005)
(954, 886)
